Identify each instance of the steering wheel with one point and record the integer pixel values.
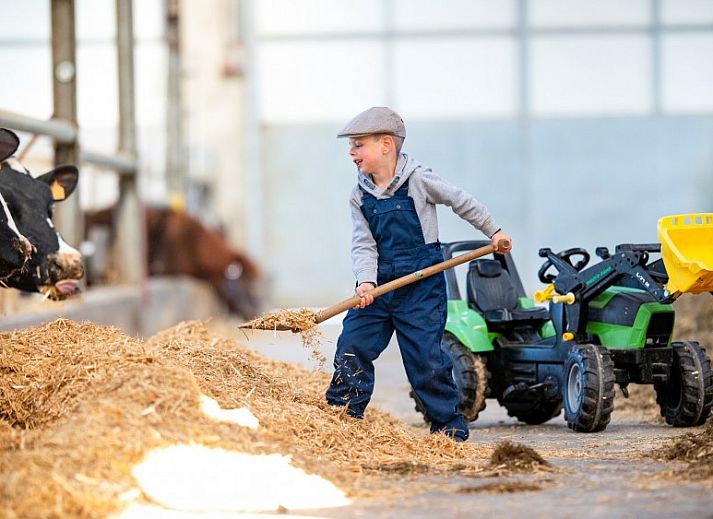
(566, 257)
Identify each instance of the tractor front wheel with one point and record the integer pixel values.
(588, 388)
(686, 398)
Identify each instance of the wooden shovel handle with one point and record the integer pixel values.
(326, 313)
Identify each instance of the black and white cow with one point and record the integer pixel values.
(54, 267)
(15, 249)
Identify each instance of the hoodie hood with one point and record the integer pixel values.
(404, 169)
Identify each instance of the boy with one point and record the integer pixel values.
(395, 232)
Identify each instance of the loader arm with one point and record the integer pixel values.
(627, 265)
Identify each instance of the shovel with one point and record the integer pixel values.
(380, 290)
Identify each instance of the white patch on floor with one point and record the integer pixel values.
(194, 478)
(137, 511)
(241, 416)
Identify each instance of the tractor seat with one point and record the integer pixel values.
(492, 293)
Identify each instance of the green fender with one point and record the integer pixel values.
(620, 337)
(468, 326)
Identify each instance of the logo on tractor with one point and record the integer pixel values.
(642, 280)
(598, 276)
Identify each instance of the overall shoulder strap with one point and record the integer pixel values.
(403, 190)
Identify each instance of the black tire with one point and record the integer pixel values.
(588, 390)
(470, 375)
(686, 399)
(534, 413)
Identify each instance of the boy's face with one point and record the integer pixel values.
(369, 152)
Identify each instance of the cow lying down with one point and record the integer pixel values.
(179, 244)
(48, 264)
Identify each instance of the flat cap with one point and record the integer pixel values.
(377, 119)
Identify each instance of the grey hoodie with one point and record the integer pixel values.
(427, 189)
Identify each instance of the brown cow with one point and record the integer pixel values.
(179, 243)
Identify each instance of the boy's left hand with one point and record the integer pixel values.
(500, 235)
(363, 292)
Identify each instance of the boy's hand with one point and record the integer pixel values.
(500, 235)
(363, 292)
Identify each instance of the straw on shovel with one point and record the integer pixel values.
(326, 313)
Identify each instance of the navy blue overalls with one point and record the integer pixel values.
(417, 312)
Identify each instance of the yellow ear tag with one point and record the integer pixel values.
(57, 191)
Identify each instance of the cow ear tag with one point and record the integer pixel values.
(57, 191)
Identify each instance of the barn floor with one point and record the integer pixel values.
(605, 474)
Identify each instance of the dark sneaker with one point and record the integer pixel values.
(455, 429)
(456, 435)
(349, 412)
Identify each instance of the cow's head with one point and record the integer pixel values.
(14, 247)
(54, 267)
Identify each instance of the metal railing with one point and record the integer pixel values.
(63, 129)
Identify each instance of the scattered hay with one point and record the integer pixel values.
(511, 457)
(696, 450)
(508, 487)
(80, 405)
(403, 467)
(640, 405)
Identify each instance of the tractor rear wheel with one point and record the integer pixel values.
(588, 388)
(470, 375)
(686, 398)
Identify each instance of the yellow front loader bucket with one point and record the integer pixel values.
(687, 251)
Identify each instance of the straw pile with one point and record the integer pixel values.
(511, 457)
(694, 449)
(81, 404)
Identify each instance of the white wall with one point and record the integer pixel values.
(578, 122)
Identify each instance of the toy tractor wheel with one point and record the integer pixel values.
(686, 399)
(470, 375)
(588, 388)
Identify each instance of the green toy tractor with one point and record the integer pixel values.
(608, 323)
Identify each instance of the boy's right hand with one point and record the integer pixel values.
(497, 237)
(365, 297)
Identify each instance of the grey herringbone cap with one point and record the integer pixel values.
(378, 119)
